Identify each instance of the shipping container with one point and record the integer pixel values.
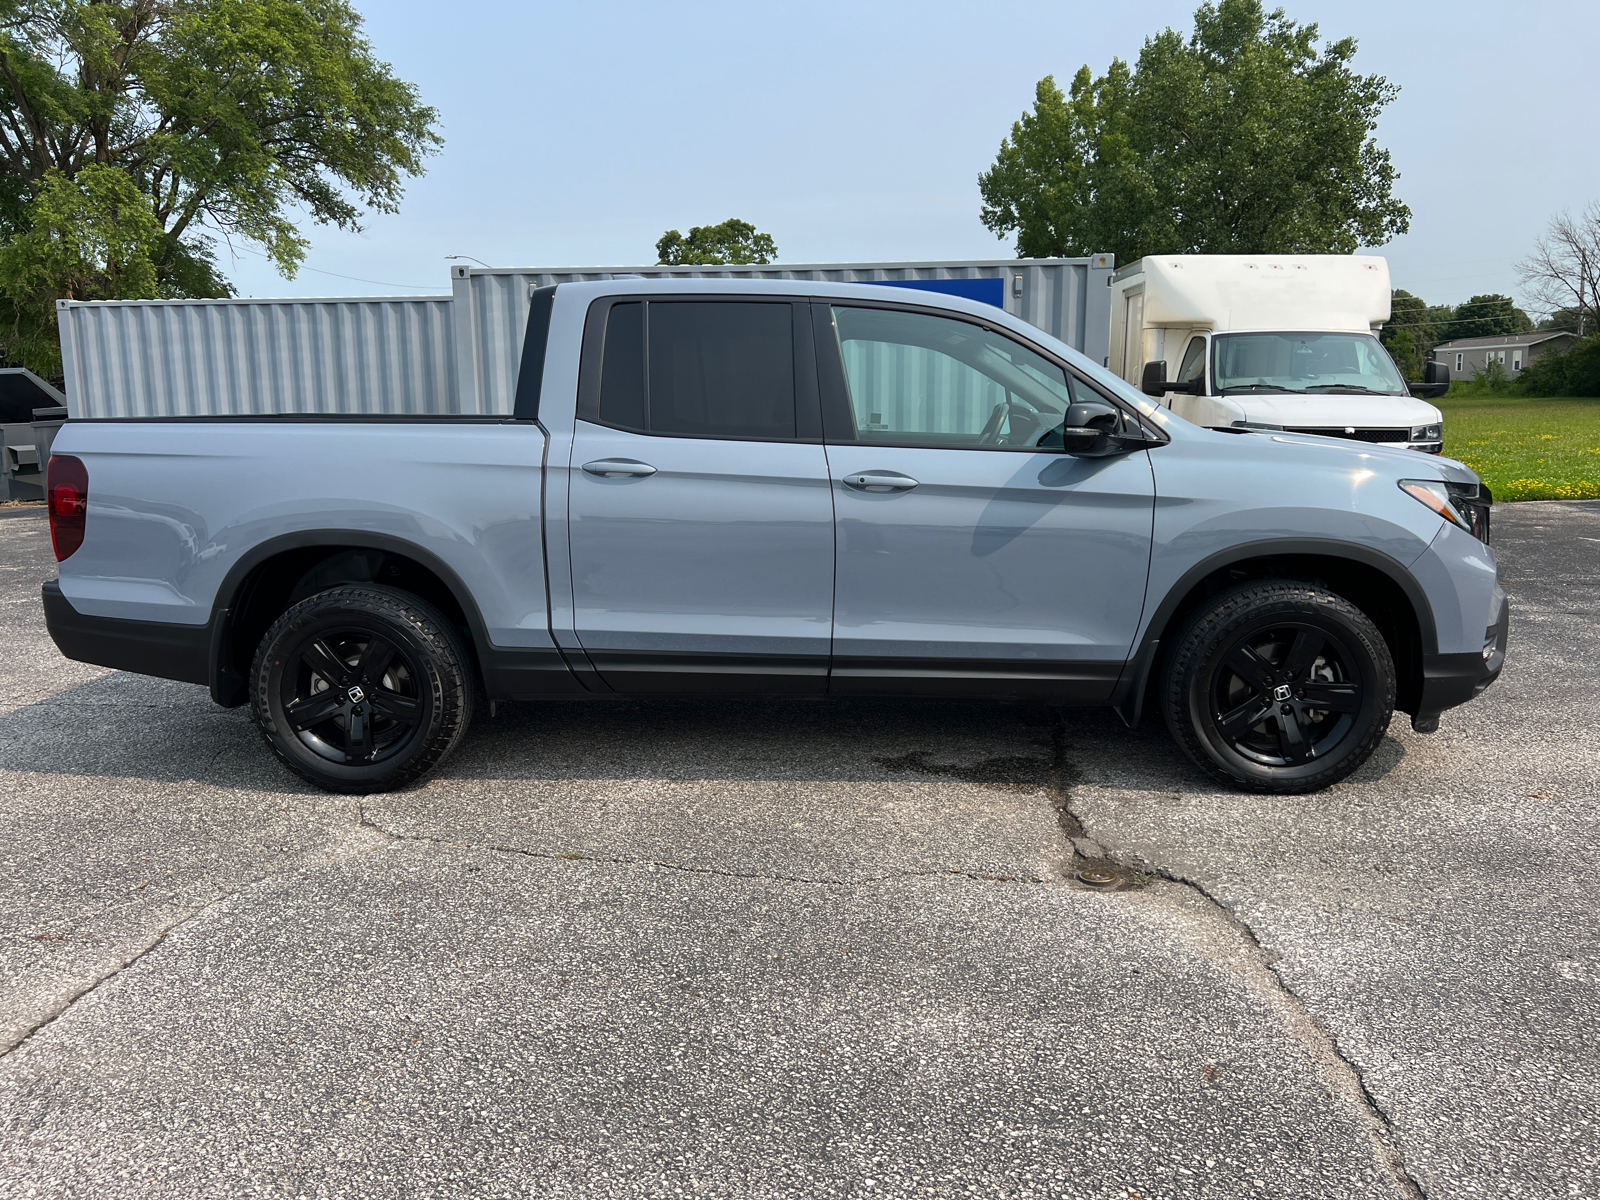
(423, 355)
(391, 355)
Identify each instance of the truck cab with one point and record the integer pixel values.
(1271, 341)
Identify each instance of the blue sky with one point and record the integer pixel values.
(575, 134)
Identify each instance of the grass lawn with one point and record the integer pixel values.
(1527, 449)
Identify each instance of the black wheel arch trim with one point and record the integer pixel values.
(1128, 696)
(500, 666)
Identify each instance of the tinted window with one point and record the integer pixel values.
(920, 380)
(622, 368)
(721, 369)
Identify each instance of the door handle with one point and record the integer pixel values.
(618, 468)
(880, 481)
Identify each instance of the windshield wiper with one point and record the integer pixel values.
(1350, 389)
(1260, 387)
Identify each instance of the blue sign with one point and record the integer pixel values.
(984, 291)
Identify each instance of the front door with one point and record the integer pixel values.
(975, 556)
(700, 519)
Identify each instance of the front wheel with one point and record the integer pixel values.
(362, 688)
(1279, 686)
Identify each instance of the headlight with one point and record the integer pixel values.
(1451, 501)
(1427, 433)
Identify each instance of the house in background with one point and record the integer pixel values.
(1467, 356)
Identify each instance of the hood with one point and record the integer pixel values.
(1396, 460)
(1322, 411)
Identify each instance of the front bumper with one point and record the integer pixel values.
(1452, 679)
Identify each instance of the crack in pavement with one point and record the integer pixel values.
(331, 849)
(1313, 1036)
(1055, 777)
(66, 1005)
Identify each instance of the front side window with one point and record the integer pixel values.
(706, 369)
(1194, 361)
(1304, 364)
(921, 380)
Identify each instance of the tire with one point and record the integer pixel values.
(1240, 687)
(362, 688)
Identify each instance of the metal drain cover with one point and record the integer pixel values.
(1099, 877)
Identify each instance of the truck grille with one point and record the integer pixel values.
(1360, 435)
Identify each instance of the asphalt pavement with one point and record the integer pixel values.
(741, 949)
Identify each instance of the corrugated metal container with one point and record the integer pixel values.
(191, 358)
(435, 356)
(1067, 297)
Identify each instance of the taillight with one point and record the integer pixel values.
(66, 486)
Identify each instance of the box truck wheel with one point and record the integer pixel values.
(362, 688)
(1279, 686)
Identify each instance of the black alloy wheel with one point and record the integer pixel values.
(1278, 686)
(1285, 694)
(362, 688)
(351, 696)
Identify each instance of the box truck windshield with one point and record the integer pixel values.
(1304, 363)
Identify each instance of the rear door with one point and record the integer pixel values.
(700, 520)
(975, 555)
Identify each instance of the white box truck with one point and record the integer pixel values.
(1281, 341)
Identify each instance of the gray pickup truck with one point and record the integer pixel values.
(718, 488)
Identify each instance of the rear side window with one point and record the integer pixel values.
(708, 369)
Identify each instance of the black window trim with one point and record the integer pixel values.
(535, 343)
(839, 418)
(807, 408)
(1205, 360)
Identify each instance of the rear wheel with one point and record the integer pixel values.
(362, 688)
(1279, 687)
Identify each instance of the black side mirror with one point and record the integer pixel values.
(1154, 382)
(1435, 382)
(1090, 427)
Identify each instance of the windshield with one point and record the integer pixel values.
(1306, 363)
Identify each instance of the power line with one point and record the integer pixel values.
(428, 287)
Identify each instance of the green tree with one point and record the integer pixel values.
(135, 133)
(1569, 320)
(1486, 316)
(1409, 333)
(1243, 138)
(1574, 373)
(734, 241)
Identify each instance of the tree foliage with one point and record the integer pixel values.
(1486, 316)
(1574, 373)
(1243, 138)
(1569, 320)
(1410, 334)
(734, 241)
(134, 133)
